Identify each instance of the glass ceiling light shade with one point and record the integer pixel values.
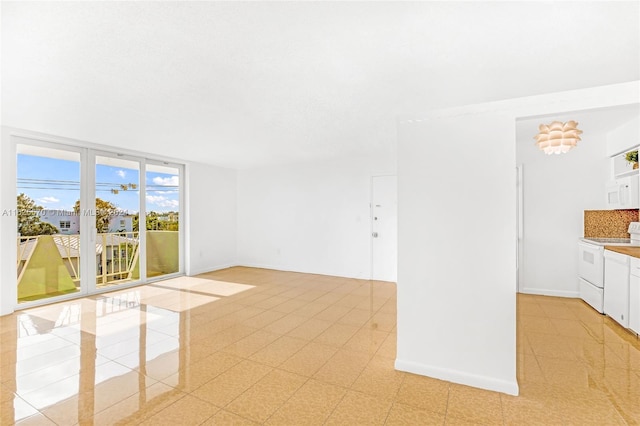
(558, 137)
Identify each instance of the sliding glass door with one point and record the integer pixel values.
(90, 220)
(49, 231)
(117, 213)
(162, 197)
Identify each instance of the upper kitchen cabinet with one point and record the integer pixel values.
(623, 142)
(625, 164)
(623, 138)
(623, 191)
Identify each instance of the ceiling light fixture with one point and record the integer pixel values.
(558, 137)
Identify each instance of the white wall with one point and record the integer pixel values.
(212, 213)
(309, 217)
(456, 287)
(7, 296)
(557, 189)
(457, 235)
(623, 137)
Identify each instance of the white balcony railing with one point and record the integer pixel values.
(116, 257)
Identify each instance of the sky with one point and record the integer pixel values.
(55, 184)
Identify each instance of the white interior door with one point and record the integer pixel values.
(384, 228)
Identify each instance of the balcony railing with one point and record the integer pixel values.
(117, 257)
(49, 265)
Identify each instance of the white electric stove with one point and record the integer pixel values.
(591, 264)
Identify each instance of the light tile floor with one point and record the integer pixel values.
(253, 346)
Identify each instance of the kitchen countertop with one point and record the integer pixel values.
(628, 250)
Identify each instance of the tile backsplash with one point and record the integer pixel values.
(608, 223)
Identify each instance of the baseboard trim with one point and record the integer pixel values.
(211, 269)
(289, 269)
(460, 377)
(266, 266)
(549, 292)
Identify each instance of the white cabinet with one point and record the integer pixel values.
(616, 287)
(623, 191)
(634, 295)
(621, 167)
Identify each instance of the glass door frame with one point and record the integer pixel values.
(88, 231)
(181, 218)
(93, 155)
(87, 272)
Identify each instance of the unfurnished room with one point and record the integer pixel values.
(312, 212)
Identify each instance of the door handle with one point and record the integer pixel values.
(374, 234)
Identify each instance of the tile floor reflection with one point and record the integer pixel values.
(253, 346)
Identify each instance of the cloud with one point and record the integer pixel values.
(48, 200)
(153, 199)
(168, 181)
(161, 201)
(121, 173)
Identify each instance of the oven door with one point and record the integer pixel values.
(591, 263)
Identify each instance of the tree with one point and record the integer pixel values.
(152, 221)
(155, 223)
(29, 223)
(104, 211)
(135, 223)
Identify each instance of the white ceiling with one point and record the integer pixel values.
(247, 84)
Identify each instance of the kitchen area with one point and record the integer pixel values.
(609, 275)
(578, 270)
(589, 198)
(609, 252)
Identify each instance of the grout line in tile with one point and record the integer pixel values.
(335, 408)
(394, 400)
(287, 400)
(446, 409)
